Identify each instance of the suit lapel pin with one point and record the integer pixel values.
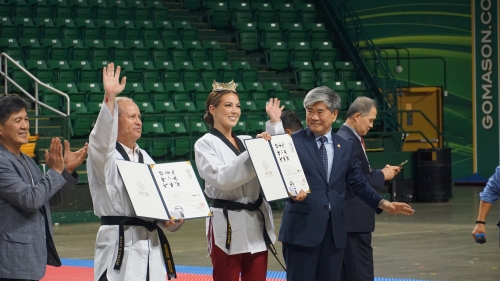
(338, 145)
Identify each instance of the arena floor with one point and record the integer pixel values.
(434, 244)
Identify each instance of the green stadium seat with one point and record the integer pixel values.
(175, 87)
(181, 147)
(58, 64)
(240, 127)
(226, 72)
(304, 75)
(247, 36)
(134, 87)
(168, 71)
(301, 51)
(82, 126)
(346, 70)
(307, 12)
(198, 127)
(167, 31)
(324, 51)
(117, 3)
(92, 88)
(124, 13)
(284, 97)
(317, 32)
(164, 106)
(210, 46)
(337, 86)
(35, 64)
(195, 87)
(161, 14)
(264, 12)
(175, 128)
(145, 106)
(21, 10)
(261, 98)
(276, 55)
(159, 147)
(246, 72)
(152, 128)
(98, 3)
(43, 21)
(325, 72)
(143, 14)
(357, 88)
(183, 102)
(270, 32)
(256, 126)
(52, 100)
(185, 30)
(294, 32)
(253, 86)
(218, 14)
(190, 4)
(63, 11)
(77, 107)
(154, 87)
(286, 12)
(246, 103)
(242, 12)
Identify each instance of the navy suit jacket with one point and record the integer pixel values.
(360, 216)
(304, 223)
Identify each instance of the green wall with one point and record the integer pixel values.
(438, 29)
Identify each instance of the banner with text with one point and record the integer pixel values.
(485, 61)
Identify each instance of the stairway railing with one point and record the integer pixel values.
(4, 59)
(366, 56)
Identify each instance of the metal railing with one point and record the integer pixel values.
(4, 71)
(365, 55)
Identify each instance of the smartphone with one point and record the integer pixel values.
(402, 163)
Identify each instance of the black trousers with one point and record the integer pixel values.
(321, 263)
(358, 257)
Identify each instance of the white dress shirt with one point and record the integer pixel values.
(110, 198)
(232, 177)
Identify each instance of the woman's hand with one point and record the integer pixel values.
(264, 135)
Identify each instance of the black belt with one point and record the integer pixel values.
(226, 205)
(150, 226)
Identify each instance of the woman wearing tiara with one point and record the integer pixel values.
(242, 223)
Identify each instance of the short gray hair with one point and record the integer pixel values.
(325, 95)
(122, 99)
(363, 105)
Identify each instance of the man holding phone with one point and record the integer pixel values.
(358, 255)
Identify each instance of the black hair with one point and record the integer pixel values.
(291, 121)
(10, 104)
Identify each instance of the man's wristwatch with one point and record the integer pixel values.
(381, 203)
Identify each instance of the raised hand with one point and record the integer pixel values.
(54, 156)
(274, 110)
(73, 159)
(112, 87)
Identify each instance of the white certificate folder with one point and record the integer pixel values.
(168, 191)
(277, 166)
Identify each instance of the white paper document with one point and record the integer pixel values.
(164, 191)
(277, 166)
